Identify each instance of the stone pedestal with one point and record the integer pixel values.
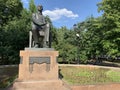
(38, 70)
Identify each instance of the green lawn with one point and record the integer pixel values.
(82, 76)
(7, 75)
(70, 74)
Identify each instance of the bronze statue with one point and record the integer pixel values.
(40, 29)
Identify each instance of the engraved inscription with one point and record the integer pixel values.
(39, 60)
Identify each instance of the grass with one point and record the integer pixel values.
(7, 75)
(83, 76)
(114, 75)
(71, 74)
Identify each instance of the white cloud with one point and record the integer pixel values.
(25, 1)
(59, 13)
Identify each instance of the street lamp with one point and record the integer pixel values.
(77, 35)
(75, 27)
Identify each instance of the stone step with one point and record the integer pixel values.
(40, 85)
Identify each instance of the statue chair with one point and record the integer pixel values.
(44, 35)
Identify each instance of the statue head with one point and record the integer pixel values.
(39, 7)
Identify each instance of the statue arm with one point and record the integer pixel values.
(37, 22)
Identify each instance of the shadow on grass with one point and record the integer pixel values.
(112, 64)
(60, 74)
(104, 63)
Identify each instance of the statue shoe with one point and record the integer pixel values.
(36, 46)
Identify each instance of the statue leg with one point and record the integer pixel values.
(36, 37)
(46, 37)
(50, 39)
(45, 43)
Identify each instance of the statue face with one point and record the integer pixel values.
(40, 8)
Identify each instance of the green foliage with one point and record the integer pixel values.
(100, 36)
(9, 9)
(67, 51)
(92, 38)
(111, 23)
(32, 6)
(15, 24)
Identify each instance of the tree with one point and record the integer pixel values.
(111, 24)
(32, 6)
(65, 46)
(14, 31)
(9, 9)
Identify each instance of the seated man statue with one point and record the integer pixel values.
(40, 29)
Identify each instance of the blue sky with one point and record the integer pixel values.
(67, 12)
